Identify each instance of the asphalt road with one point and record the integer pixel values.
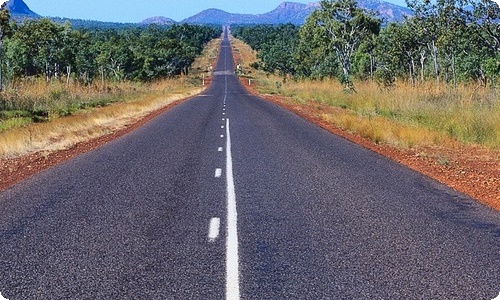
(227, 196)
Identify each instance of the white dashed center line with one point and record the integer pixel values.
(214, 229)
(218, 173)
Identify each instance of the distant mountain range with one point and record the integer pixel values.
(295, 13)
(286, 12)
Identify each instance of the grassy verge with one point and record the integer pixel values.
(36, 116)
(404, 116)
(84, 124)
(408, 116)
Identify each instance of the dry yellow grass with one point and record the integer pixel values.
(64, 132)
(381, 130)
(409, 116)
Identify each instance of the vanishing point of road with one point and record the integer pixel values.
(227, 196)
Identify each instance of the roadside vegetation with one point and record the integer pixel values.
(404, 116)
(62, 85)
(432, 80)
(449, 134)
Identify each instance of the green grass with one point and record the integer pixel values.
(14, 122)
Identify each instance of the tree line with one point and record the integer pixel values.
(43, 48)
(445, 41)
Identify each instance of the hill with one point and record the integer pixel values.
(217, 16)
(159, 21)
(295, 13)
(19, 10)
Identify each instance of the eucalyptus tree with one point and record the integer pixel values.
(42, 47)
(460, 35)
(364, 58)
(397, 52)
(426, 20)
(276, 46)
(484, 24)
(315, 59)
(343, 26)
(485, 21)
(4, 31)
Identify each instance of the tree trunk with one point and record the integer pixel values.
(410, 75)
(435, 58)
(68, 69)
(454, 73)
(47, 71)
(345, 70)
(484, 80)
(414, 76)
(372, 64)
(102, 78)
(422, 66)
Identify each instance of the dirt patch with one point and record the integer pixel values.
(470, 170)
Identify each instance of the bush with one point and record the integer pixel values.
(385, 78)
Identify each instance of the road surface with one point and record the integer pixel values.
(227, 196)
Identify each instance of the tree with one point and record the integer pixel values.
(276, 46)
(4, 30)
(484, 26)
(278, 53)
(315, 59)
(344, 25)
(485, 21)
(42, 47)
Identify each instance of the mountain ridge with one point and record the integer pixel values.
(295, 13)
(286, 12)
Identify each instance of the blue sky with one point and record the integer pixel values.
(135, 11)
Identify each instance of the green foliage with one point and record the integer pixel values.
(385, 78)
(55, 51)
(448, 41)
(276, 46)
(39, 49)
(343, 26)
(317, 59)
